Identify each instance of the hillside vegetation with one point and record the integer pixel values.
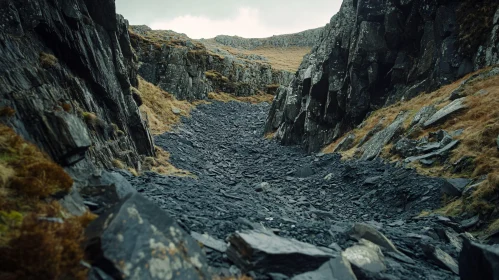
(475, 127)
(38, 239)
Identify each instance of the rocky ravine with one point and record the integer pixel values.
(189, 70)
(270, 193)
(375, 53)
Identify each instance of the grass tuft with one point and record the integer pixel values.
(254, 99)
(47, 60)
(157, 107)
(32, 247)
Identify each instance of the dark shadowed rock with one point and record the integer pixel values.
(345, 144)
(137, 240)
(67, 69)
(338, 268)
(478, 261)
(455, 186)
(265, 252)
(440, 153)
(374, 146)
(441, 258)
(304, 172)
(455, 106)
(405, 147)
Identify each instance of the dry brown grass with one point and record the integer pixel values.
(47, 60)
(254, 99)
(30, 247)
(7, 112)
(288, 59)
(158, 106)
(161, 165)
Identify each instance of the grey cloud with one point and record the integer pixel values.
(275, 13)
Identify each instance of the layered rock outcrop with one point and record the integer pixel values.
(374, 53)
(188, 70)
(66, 69)
(307, 38)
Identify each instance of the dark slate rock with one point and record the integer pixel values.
(438, 153)
(345, 144)
(338, 268)
(455, 106)
(304, 172)
(123, 187)
(73, 203)
(478, 261)
(455, 186)
(441, 258)
(405, 147)
(68, 136)
(265, 252)
(137, 240)
(373, 147)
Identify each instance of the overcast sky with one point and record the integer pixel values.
(245, 18)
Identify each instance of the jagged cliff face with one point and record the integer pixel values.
(66, 69)
(187, 69)
(307, 38)
(374, 53)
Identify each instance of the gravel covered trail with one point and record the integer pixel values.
(244, 179)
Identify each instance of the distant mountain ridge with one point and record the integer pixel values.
(305, 38)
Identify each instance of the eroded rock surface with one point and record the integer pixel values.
(374, 53)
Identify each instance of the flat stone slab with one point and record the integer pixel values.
(138, 240)
(210, 242)
(366, 256)
(337, 268)
(266, 252)
(436, 153)
(373, 147)
(442, 114)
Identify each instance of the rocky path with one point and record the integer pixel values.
(245, 181)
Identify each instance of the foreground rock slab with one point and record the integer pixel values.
(336, 269)
(445, 112)
(265, 253)
(366, 257)
(137, 240)
(478, 261)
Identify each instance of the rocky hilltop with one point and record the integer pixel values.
(190, 70)
(307, 38)
(374, 53)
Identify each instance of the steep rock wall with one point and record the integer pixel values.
(189, 70)
(66, 70)
(374, 53)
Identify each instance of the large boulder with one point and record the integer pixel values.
(264, 252)
(478, 261)
(137, 240)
